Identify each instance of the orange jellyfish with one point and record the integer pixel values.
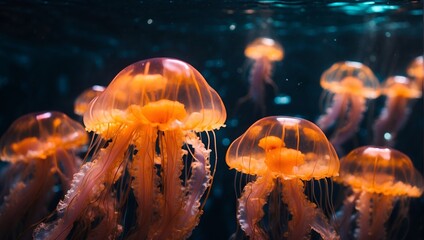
(263, 51)
(348, 85)
(282, 151)
(152, 115)
(399, 92)
(83, 100)
(40, 148)
(379, 177)
(416, 70)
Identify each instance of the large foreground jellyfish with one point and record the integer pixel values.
(263, 51)
(379, 177)
(151, 115)
(348, 85)
(40, 148)
(283, 153)
(400, 93)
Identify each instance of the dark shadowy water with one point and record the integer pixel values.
(50, 51)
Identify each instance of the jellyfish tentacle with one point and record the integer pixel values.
(391, 120)
(145, 183)
(364, 218)
(107, 228)
(170, 143)
(16, 204)
(86, 185)
(357, 107)
(344, 217)
(305, 214)
(199, 182)
(332, 112)
(383, 205)
(250, 208)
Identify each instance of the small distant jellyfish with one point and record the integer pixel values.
(379, 178)
(400, 93)
(283, 153)
(41, 151)
(347, 86)
(83, 100)
(263, 52)
(151, 118)
(416, 70)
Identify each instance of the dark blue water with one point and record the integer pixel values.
(50, 52)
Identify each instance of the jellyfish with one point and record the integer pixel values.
(379, 177)
(416, 70)
(283, 151)
(41, 151)
(399, 92)
(347, 86)
(84, 99)
(152, 117)
(263, 52)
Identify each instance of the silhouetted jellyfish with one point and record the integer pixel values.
(348, 85)
(40, 148)
(263, 51)
(286, 151)
(152, 115)
(416, 70)
(83, 100)
(399, 92)
(379, 177)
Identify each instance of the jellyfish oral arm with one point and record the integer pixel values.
(374, 210)
(391, 120)
(305, 214)
(250, 206)
(351, 124)
(145, 183)
(333, 112)
(199, 181)
(86, 185)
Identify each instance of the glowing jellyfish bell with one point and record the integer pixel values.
(43, 148)
(348, 85)
(286, 151)
(400, 92)
(379, 177)
(152, 114)
(83, 100)
(263, 52)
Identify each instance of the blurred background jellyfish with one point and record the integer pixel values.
(416, 70)
(400, 93)
(283, 153)
(41, 151)
(263, 52)
(152, 116)
(379, 177)
(84, 99)
(347, 86)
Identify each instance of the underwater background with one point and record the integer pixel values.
(51, 51)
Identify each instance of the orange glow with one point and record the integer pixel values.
(40, 135)
(40, 148)
(285, 150)
(381, 170)
(304, 154)
(416, 68)
(265, 48)
(399, 86)
(84, 99)
(350, 77)
(153, 113)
